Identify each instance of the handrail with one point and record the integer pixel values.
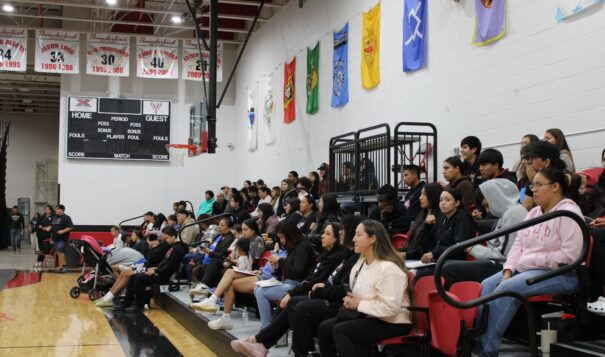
(493, 296)
(181, 229)
(192, 209)
(130, 219)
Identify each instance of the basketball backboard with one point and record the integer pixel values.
(198, 129)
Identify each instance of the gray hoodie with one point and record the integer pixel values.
(502, 196)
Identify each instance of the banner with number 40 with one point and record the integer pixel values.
(157, 57)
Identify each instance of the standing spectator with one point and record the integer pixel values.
(390, 212)
(411, 178)
(17, 228)
(62, 225)
(324, 173)
(314, 177)
(188, 233)
(470, 148)
(206, 205)
(44, 233)
(452, 172)
(219, 206)
(33, 231)
(557, 138)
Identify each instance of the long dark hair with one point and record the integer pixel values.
(315, 185)
(336, 230)
(349, 223)
(290, 230)
(251, 223)
(331, 209)
(294, 203)
(159, 220)
(432, 191)
(267, 211)
(561, 141)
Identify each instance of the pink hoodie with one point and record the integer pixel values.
(545, 246)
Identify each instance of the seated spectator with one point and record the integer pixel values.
(292, 209)
(490, 165)
(195, 255)
(118, 237)
(147, 225)
(251, 232)
(452, 172)
(247, 184)
(557, 138)
(258, 345)
(295, 268)
(454, 225)
(346, 180)
(539, 155)
(501, 195)
(206, 205)
(138, 243)
(252, 198)
(304, 183)
(171, 222)
(138, 283)
(186, 234)
(308, 210)
(537, 250)
(242, 250)
(379, 290)
(284, 188)
(293, 178)
(482, 214)
(314, 178)
(260, 183)
(275, 193)
(367, 175)
(390, 212)
(421, 238)
(238, 213)
(324, 183)
(470, 149)
(267, 222)
(219, 206)
(123, 256)
(328, 212)
(519, 166)
(216, 253)
(160, 222)
(226, 190)
(264, 197)
(411, 179)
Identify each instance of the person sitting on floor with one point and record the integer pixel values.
(537, 250)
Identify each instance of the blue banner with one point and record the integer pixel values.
(414, 27)
(340, 74)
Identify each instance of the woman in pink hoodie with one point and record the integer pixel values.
(537, 249)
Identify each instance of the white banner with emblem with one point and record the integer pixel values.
(57, 51)
(192, 66)
(13, 49)
(108, 55)
(157, 57)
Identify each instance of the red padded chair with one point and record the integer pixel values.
(448, 323)
(399, 241)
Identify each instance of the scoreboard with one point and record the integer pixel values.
(118, 129)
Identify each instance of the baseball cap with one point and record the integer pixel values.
(323, 166)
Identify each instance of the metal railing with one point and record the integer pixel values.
(198, 222)
(524, 301)
(130, 219)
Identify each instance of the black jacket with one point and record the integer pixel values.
(327, 262)
(335, 290)
(422, 242)
(449, 231)
(239, 216)
(412, 201)
(156, 255)
(395, 222)
(299, 263)
(171, 262)
(219, 208)
(141, 246)
(221, 250)
(472, 172)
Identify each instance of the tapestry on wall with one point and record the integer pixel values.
(570, 8)
(370, 48)
(313, 79)
(252, 122)
(490, 24)
(414, 28)
(268, 108)
(289, 92)
(340, 63)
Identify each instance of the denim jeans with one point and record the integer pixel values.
(16, 239)
(502, 310)
(196, 257)
(265, 296)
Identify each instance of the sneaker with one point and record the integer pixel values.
(63, 270)
(205, 305)
(249, 349)
(104, 303)
(221, 324)
(199, 290)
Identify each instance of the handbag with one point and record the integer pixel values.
(345, 314)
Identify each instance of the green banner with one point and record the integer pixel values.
(313, 79)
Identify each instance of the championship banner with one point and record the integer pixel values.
(290, 91)
(370, 48)
(340, 72)
(13, 49)
(313, 79)
(490, 22)
(57, 51)
(108, 55)
(157, 57)
(252, 119)
(268, 106)
(414, 29)
(192, 65)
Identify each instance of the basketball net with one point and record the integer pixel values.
(177, 154)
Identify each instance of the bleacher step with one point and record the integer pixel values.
(578, 349)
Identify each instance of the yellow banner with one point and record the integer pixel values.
(370, 48)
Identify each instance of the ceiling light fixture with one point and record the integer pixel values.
(8, 8)
(177, 19)
(111, 2)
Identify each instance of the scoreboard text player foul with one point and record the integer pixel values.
(118, 129)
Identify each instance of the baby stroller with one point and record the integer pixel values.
(98, 281)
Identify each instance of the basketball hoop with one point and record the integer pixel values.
(178, 152)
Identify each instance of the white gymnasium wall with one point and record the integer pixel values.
(541, 75)
(32, 138)
(107, 191)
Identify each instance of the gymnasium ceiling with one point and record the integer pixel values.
(39, 93)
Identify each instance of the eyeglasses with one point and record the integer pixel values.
(539, 185)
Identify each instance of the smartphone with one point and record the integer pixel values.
(347, 288)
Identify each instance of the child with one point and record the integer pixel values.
(242, 247)
(236, 231)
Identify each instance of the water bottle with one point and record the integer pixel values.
(245, 317)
